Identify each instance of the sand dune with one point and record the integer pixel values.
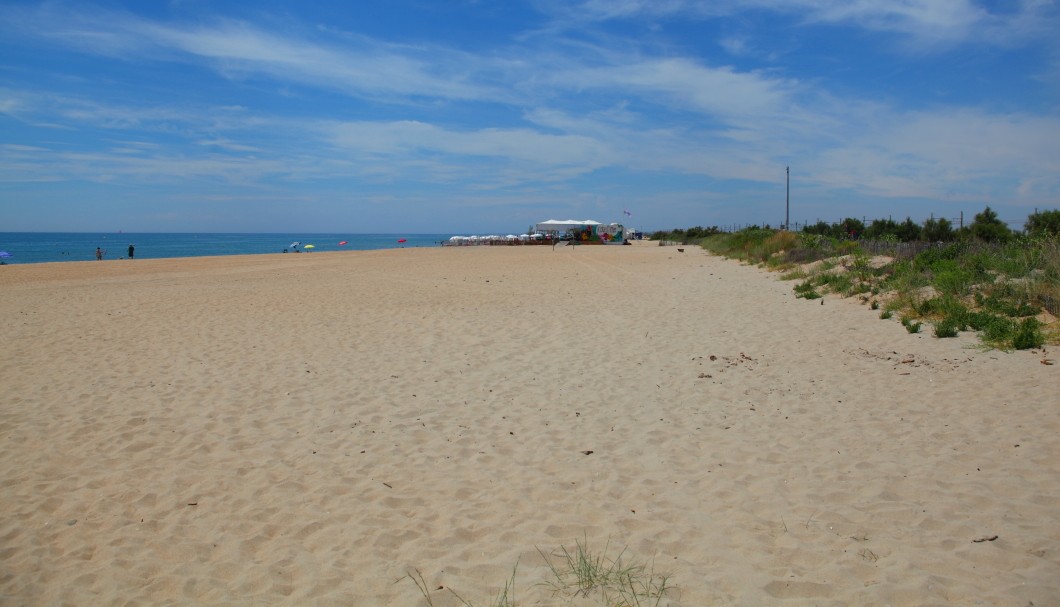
(308, 429)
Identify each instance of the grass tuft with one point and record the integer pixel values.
(619, 584)
(911, 325)
(582, 573)
(505, 598)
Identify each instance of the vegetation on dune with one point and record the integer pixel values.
(1003, 285)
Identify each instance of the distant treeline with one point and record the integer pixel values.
(986, 226)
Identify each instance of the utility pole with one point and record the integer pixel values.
(787, 198)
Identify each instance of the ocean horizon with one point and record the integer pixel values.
(45, 247)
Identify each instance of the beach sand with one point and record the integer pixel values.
(309, 429)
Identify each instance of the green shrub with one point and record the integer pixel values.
(953, 280)
(998, 329)
(988, 227)
(1012, 309)
(979, 320)
(805, 290)
(938, 230)
(1028, 335)
(948, 307)
(886, 314)
(837, 282)
(814, 241)
(847, 247)
(858, 288)
(1044, 223)
(927, 306)
(928, 257)
(946, 328)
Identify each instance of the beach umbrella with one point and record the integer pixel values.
(4, 255)
(401, 240)
(309, 246)
(295, 244)
(343, 242)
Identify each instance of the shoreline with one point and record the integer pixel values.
(307, 430)
(50, 247)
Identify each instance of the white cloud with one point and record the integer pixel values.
(947, 153)
(422, 151)
(720, 92)
(927, 23)
(360, 66)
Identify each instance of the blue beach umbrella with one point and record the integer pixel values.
(4, 255)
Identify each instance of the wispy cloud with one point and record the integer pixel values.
(360, 65)
(968, 153)
(927, 23)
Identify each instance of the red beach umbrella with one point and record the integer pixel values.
(343, 242)
(401, 240)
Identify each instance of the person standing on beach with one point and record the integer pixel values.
(131, 249)
(99, 254)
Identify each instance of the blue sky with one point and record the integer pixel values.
(490, 115)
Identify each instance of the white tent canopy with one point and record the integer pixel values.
(558, 225)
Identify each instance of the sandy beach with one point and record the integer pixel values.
(309, 429)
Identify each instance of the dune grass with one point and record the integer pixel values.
(996, 290)
(619, 584)
(581, 572)
(504, 598)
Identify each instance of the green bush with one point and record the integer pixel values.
(988, 227)
(848, 247)
(837, 282)
(1028, 335)
(938, 230)
(998, 329)
(948, 307)
(805, 290)
(928, 257)
(1012, 309)
(946, 328)
(954, 281)
(1043, 223)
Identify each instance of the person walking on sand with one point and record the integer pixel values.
(131, 249)
(99, 254)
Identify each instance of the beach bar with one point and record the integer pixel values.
(583, 232)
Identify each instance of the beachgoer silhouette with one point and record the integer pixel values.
(99, 254)
(131, 249)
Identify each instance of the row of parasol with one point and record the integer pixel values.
(296, 244)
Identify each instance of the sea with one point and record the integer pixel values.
(42, 247)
